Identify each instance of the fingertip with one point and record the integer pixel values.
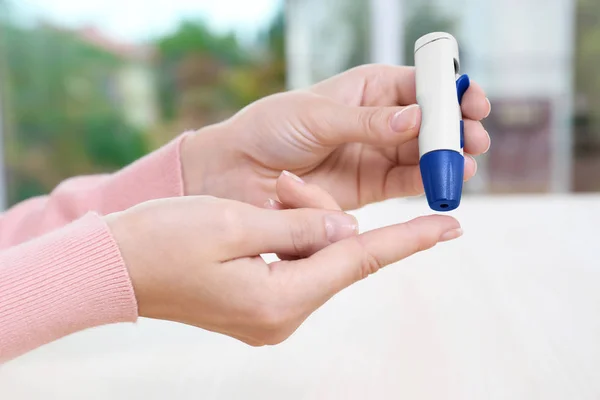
(489, 111)
(477, 139)
(293, 177)
(431, 228)
(293, 192)
(340, 226)
(451, 235)
(470, 167)
(273, 205)
(475, 104)
(447, 222)
(407, 119)
(489, 138)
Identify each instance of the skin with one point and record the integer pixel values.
(196, 259)
(338, 134)
(348, 141)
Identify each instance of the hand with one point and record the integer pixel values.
(196, 260)
(354, 135)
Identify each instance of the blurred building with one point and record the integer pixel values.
(520, 51)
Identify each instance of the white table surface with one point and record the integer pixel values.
(509, 311)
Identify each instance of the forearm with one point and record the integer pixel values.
(60, 283)
(158, 175)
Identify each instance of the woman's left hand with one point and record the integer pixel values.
(354, 135)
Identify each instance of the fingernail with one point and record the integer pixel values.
(451, 235)
(489, 142)
(489, 107)
(272, 204)
(340, 226)
(405, 119)
(294, 177)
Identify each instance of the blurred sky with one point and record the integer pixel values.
(140, 20)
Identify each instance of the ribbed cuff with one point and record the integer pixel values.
(156, 176)
(66, 281)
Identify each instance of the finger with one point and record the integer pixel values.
(406, 180)
(388, 85)
(293, 192)
(335, 124)
(338, 266)
(371, 85)
(299, 232)
(477, 141)
(475, 104)
(470, 167)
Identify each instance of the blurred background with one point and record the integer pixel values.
(510, 311)
(88, 87)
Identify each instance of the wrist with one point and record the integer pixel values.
(128, 234)
(205, 158)
(214, 165)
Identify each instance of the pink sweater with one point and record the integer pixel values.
(60, 268)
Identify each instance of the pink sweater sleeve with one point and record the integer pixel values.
(157, 175)
(61, 270)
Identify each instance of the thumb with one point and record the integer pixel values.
(293, 192)
(299, 232)
(338, 266)
(339, 124)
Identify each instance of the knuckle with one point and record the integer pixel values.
(370, 265)
(369, 120)
(303, 236)
(366, 121)
(365, 70)
(369, 262)
(231, 225)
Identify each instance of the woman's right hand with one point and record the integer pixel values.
(196, 260)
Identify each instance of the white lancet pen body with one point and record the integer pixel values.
(439, 91)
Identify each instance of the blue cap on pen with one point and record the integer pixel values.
(442, 171)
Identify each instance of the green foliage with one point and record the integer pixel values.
(66, 119)
(26, 188)
(274, 37)
(204, 76)
(110, 143)
(44, 65)
(65, 116)
(196, 37)
(190, 39)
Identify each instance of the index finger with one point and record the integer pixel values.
(391, 85)
(371, 85)
(474, 104)
(348, 261)
(298, 232)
